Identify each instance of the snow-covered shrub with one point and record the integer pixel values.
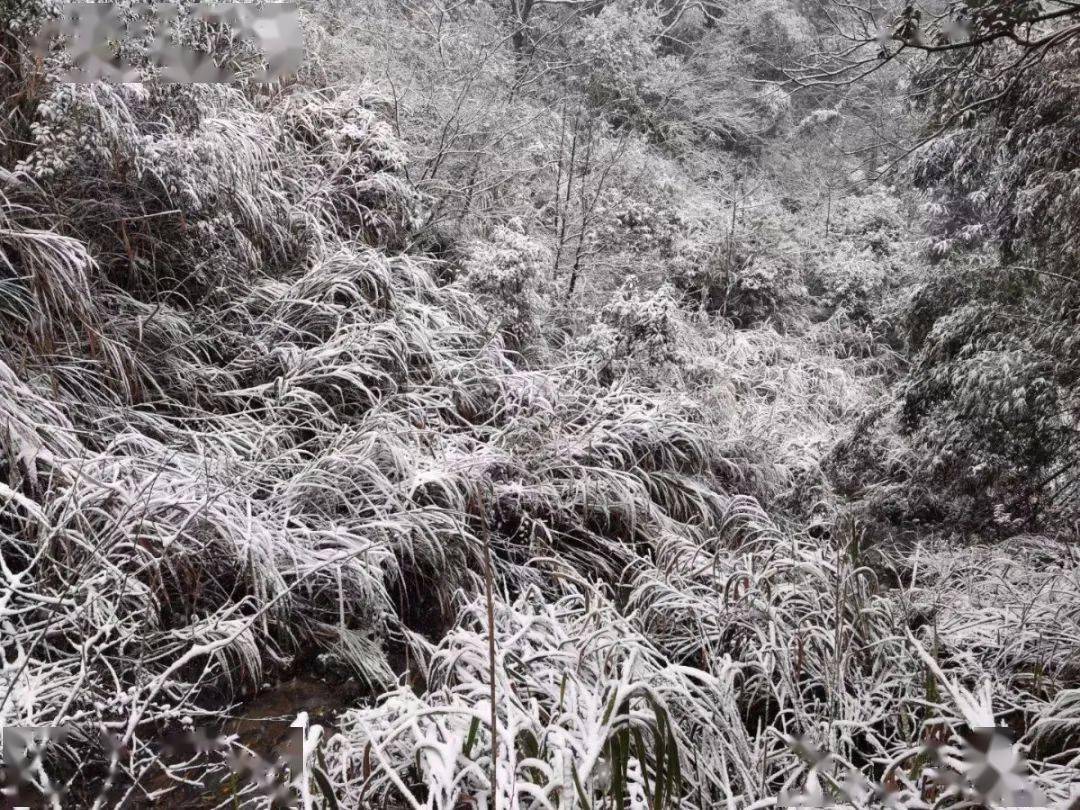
(508, 272)
(996, 380)
(815, 120)
(877, 220)
(870, 466)
(640, 219)
(774, 106)
(743, 276)
(745, 270)
(986, 408)
(789, 32)
(703, 270)
(361, 173)
(985, 395)
(859, 283)
(620, 45)
(637, 330)
(851, 281)
(760, 288)
(620, 69)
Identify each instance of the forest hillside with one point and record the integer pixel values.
(533, 404)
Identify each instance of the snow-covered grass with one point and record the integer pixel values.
(248, 430)
(784, 668)
(585, 705)
(242, 431)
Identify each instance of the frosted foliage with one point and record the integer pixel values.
(575, 682)
(507, 273)
(544, 405)
(804, 629)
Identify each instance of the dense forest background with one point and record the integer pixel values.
(546, 403)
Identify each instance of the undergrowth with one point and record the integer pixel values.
(249, 428)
